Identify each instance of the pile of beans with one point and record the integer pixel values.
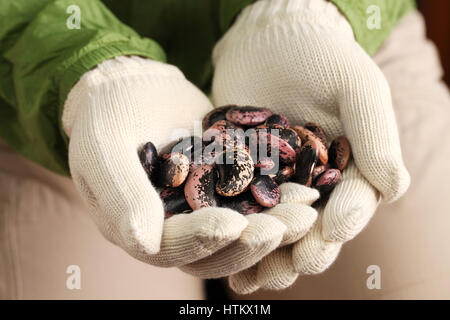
(243, 156)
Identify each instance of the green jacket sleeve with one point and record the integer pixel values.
(42, 56)
(373, 20)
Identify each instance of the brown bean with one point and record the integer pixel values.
(307, 135)
(340, 153)
(235, 172)
(302, 132)
(247, 115)
(174, 169)
(318, 131)
(199, 188)
(265, 191)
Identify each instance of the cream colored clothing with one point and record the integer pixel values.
(44, 227)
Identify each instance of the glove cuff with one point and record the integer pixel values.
(118, 68)
(285, 16)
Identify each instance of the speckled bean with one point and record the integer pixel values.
(199, 187)
(247, 115)
(326, 182)
(265, 191)
(174, 168)
(235, 172)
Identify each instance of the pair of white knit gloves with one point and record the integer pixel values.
(296, 57)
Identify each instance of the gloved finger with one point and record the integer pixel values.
(294, 210)
(244, 282)
(312, 254)
(296, 193)
(191, 237)
(350, 207)
(297, 218)
(369, 123)
(124, 204)
(262, 235)
(276, 270)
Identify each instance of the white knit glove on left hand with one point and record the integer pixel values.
(109, 115)
(300, 58)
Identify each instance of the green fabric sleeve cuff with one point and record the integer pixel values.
(42, 57)
(373, 20)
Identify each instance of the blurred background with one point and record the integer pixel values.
(437, 14)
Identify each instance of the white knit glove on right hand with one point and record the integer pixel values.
(109, 115)
(300, 58)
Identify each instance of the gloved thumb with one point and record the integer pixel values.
(369, 123)
(123, 203)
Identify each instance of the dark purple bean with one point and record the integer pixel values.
(265, 191)
(306, 163)
(149, 160)
(215, 115)
(174, 201)
(243, 203)
(277, 119)
(199, 188)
